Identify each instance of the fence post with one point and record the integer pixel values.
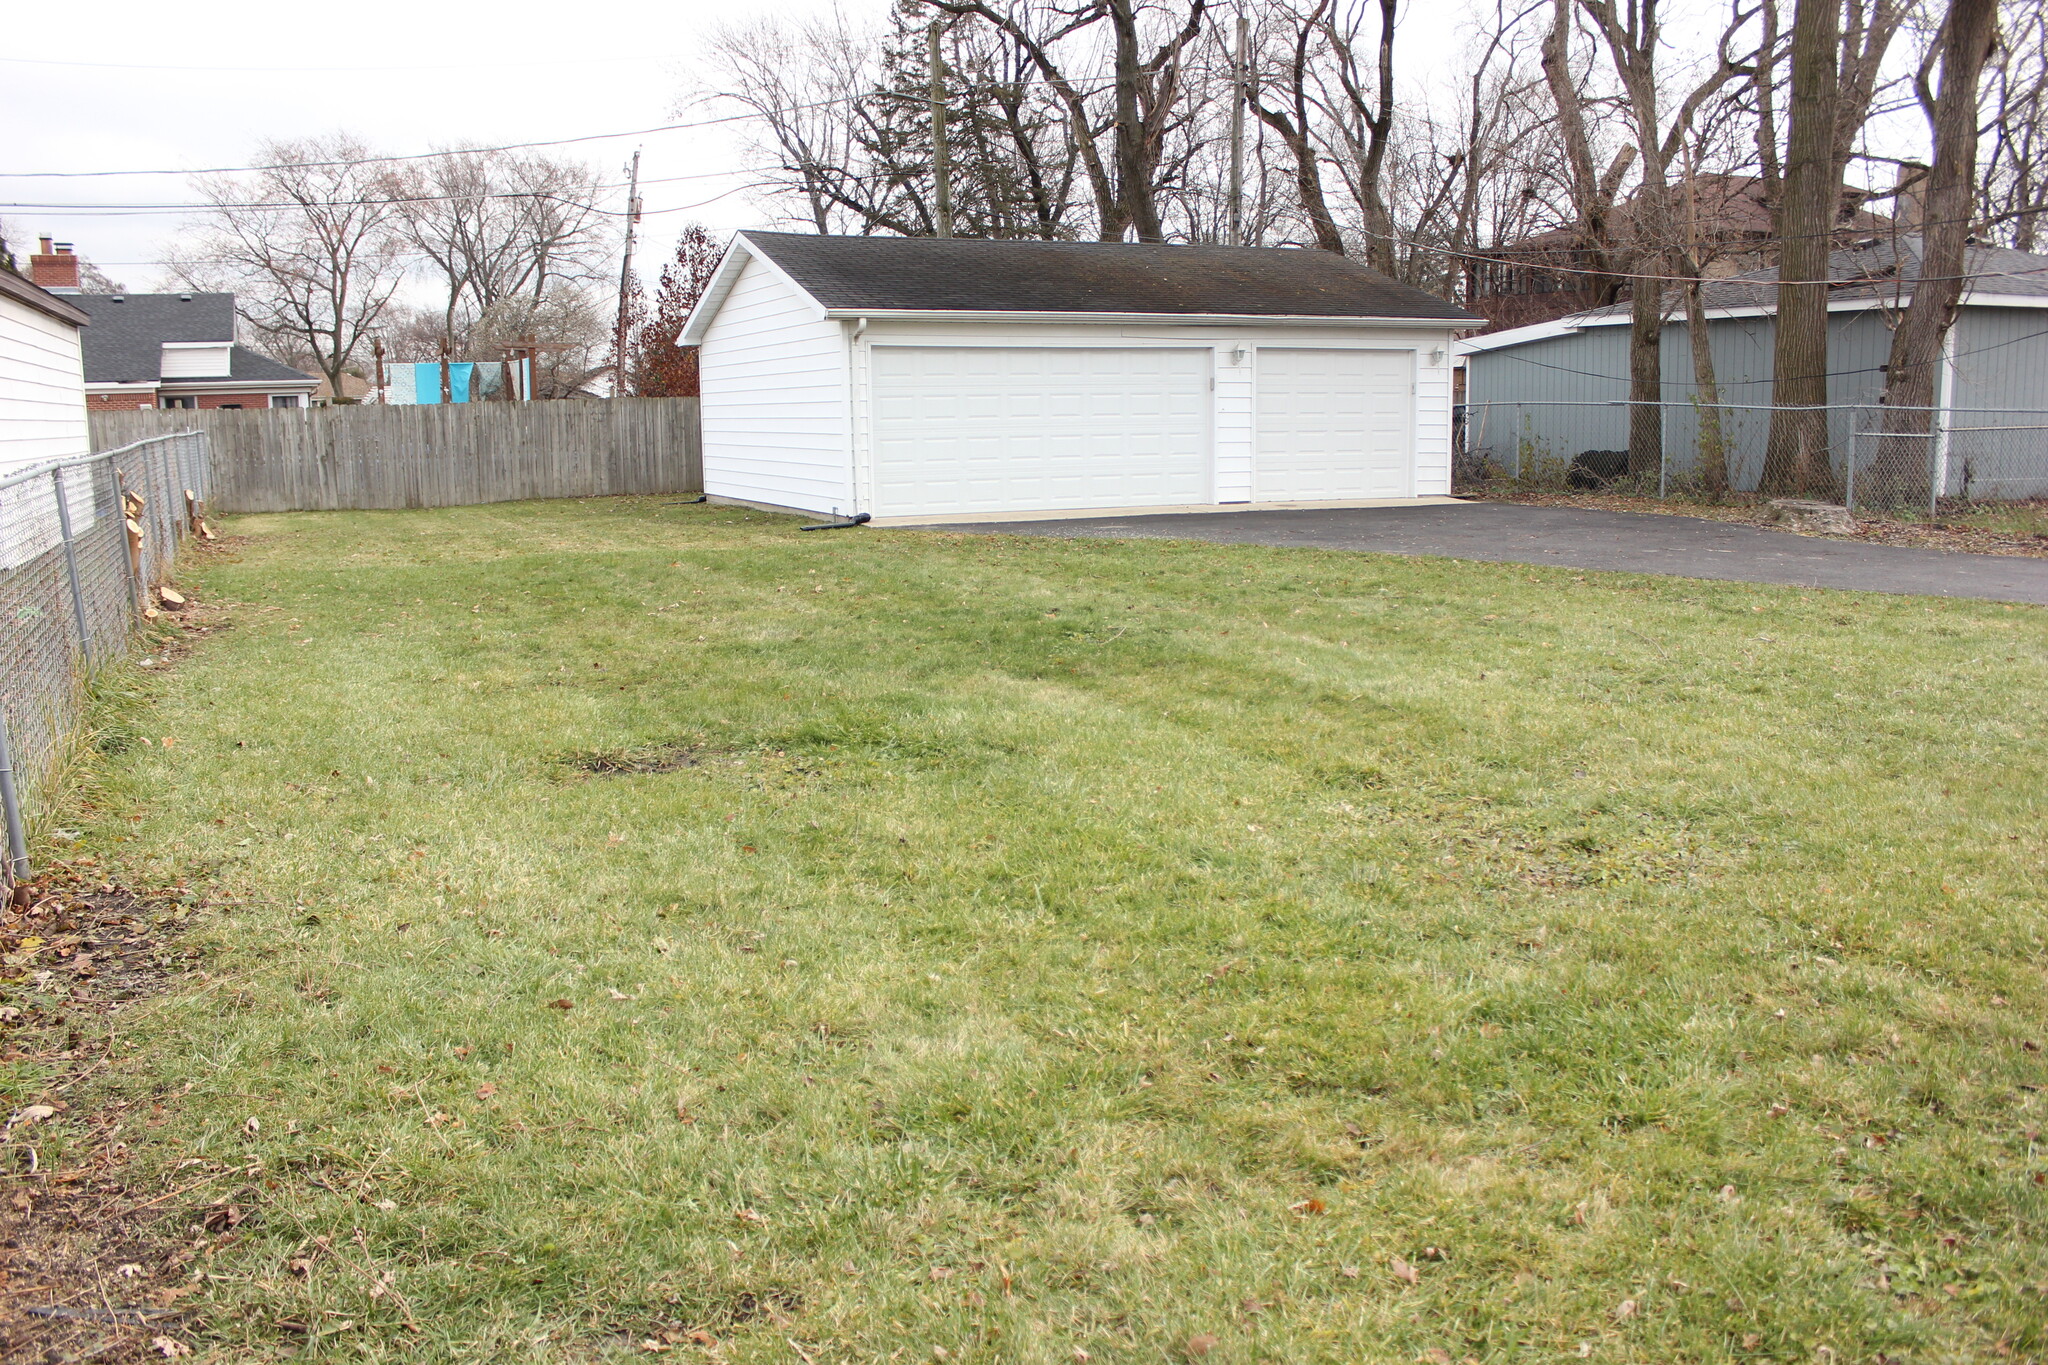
(1850, 499)
(10, 800)
(71, 566)
(1937, 465)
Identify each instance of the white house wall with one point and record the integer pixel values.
(42, 387)
(774, 405)
(1235, 349)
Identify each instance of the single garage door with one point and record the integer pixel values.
(1021, 429)
(1334, 424)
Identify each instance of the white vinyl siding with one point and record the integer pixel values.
(774, 406)
(42, 387)
(1334, 424)
(1002, 429)
(192, 361)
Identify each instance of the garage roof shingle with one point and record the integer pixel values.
(974, 275)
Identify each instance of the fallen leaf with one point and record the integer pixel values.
(1308, 1207)
(486, 1090)
(1404, 1272)
(170, 1347)
(1729, 1196)
(561, 1004)
(1778, 1110)
(1750, 1341)
(749, 1216)
(1198, 1346)
(1349, 1272)
(1436, 1355)
(251, 1126)
(1624, 1310)
(699, 1337)
(34, 1113)
(616, 838)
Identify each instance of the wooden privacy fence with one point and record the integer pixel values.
(433, 455)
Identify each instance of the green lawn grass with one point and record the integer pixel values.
(1040, 947)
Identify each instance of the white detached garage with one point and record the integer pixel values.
(922, 377)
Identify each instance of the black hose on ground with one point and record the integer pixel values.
(857, 519)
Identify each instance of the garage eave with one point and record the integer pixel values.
(1159, 319)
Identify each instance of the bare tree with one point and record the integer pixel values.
(1632, 32)
(1962, 47)
(1364, 117)
(497, 225)
(307, 247)
(2012, 191)
(1291, 116)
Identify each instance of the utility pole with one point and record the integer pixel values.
(626, 278)
(377, 350)
(942, 168)
(1237, 134)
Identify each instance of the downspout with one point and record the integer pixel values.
(855, 376)
(1943, 400)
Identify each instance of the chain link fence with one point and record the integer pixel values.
(84, 544)
(1865, 455)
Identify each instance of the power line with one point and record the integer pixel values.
(266, 70)
(412, 156)
(203, 207)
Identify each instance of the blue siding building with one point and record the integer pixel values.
(1536, 397)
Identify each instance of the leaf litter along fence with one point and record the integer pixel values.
(1877, 458)
(84, 545)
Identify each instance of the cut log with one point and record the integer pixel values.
(171, 597)
(1824, 518)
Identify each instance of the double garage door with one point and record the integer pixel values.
(1022, 429)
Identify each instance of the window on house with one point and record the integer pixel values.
(284, 400)
(180, 401)
(225, 406)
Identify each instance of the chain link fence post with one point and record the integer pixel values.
(10, 800)
(71, 566)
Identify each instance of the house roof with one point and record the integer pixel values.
(1724, 209)
(1872, 272)
(124, 344)
(22, 291)
(974, 275)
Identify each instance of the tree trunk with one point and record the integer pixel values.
(1646, 331)
(1905, 457)
(1795, 460)
(1712, 465)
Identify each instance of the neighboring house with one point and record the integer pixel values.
(1558, 389)
(354, 389)
(936, 377)
(1728, 216)
(168, 350)
(42, 377)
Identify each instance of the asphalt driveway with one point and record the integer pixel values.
(1628, 542)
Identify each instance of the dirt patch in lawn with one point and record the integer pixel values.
(1957, 532)
(90, 1267)
(658, 758)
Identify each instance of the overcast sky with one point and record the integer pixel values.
(124, 85)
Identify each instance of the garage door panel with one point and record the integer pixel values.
(1333, 424)
(993, 429)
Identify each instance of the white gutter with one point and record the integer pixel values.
(1165, 319)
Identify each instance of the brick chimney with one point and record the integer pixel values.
(1909, 198)
(55, 267)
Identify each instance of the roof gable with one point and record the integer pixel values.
(849, 275)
